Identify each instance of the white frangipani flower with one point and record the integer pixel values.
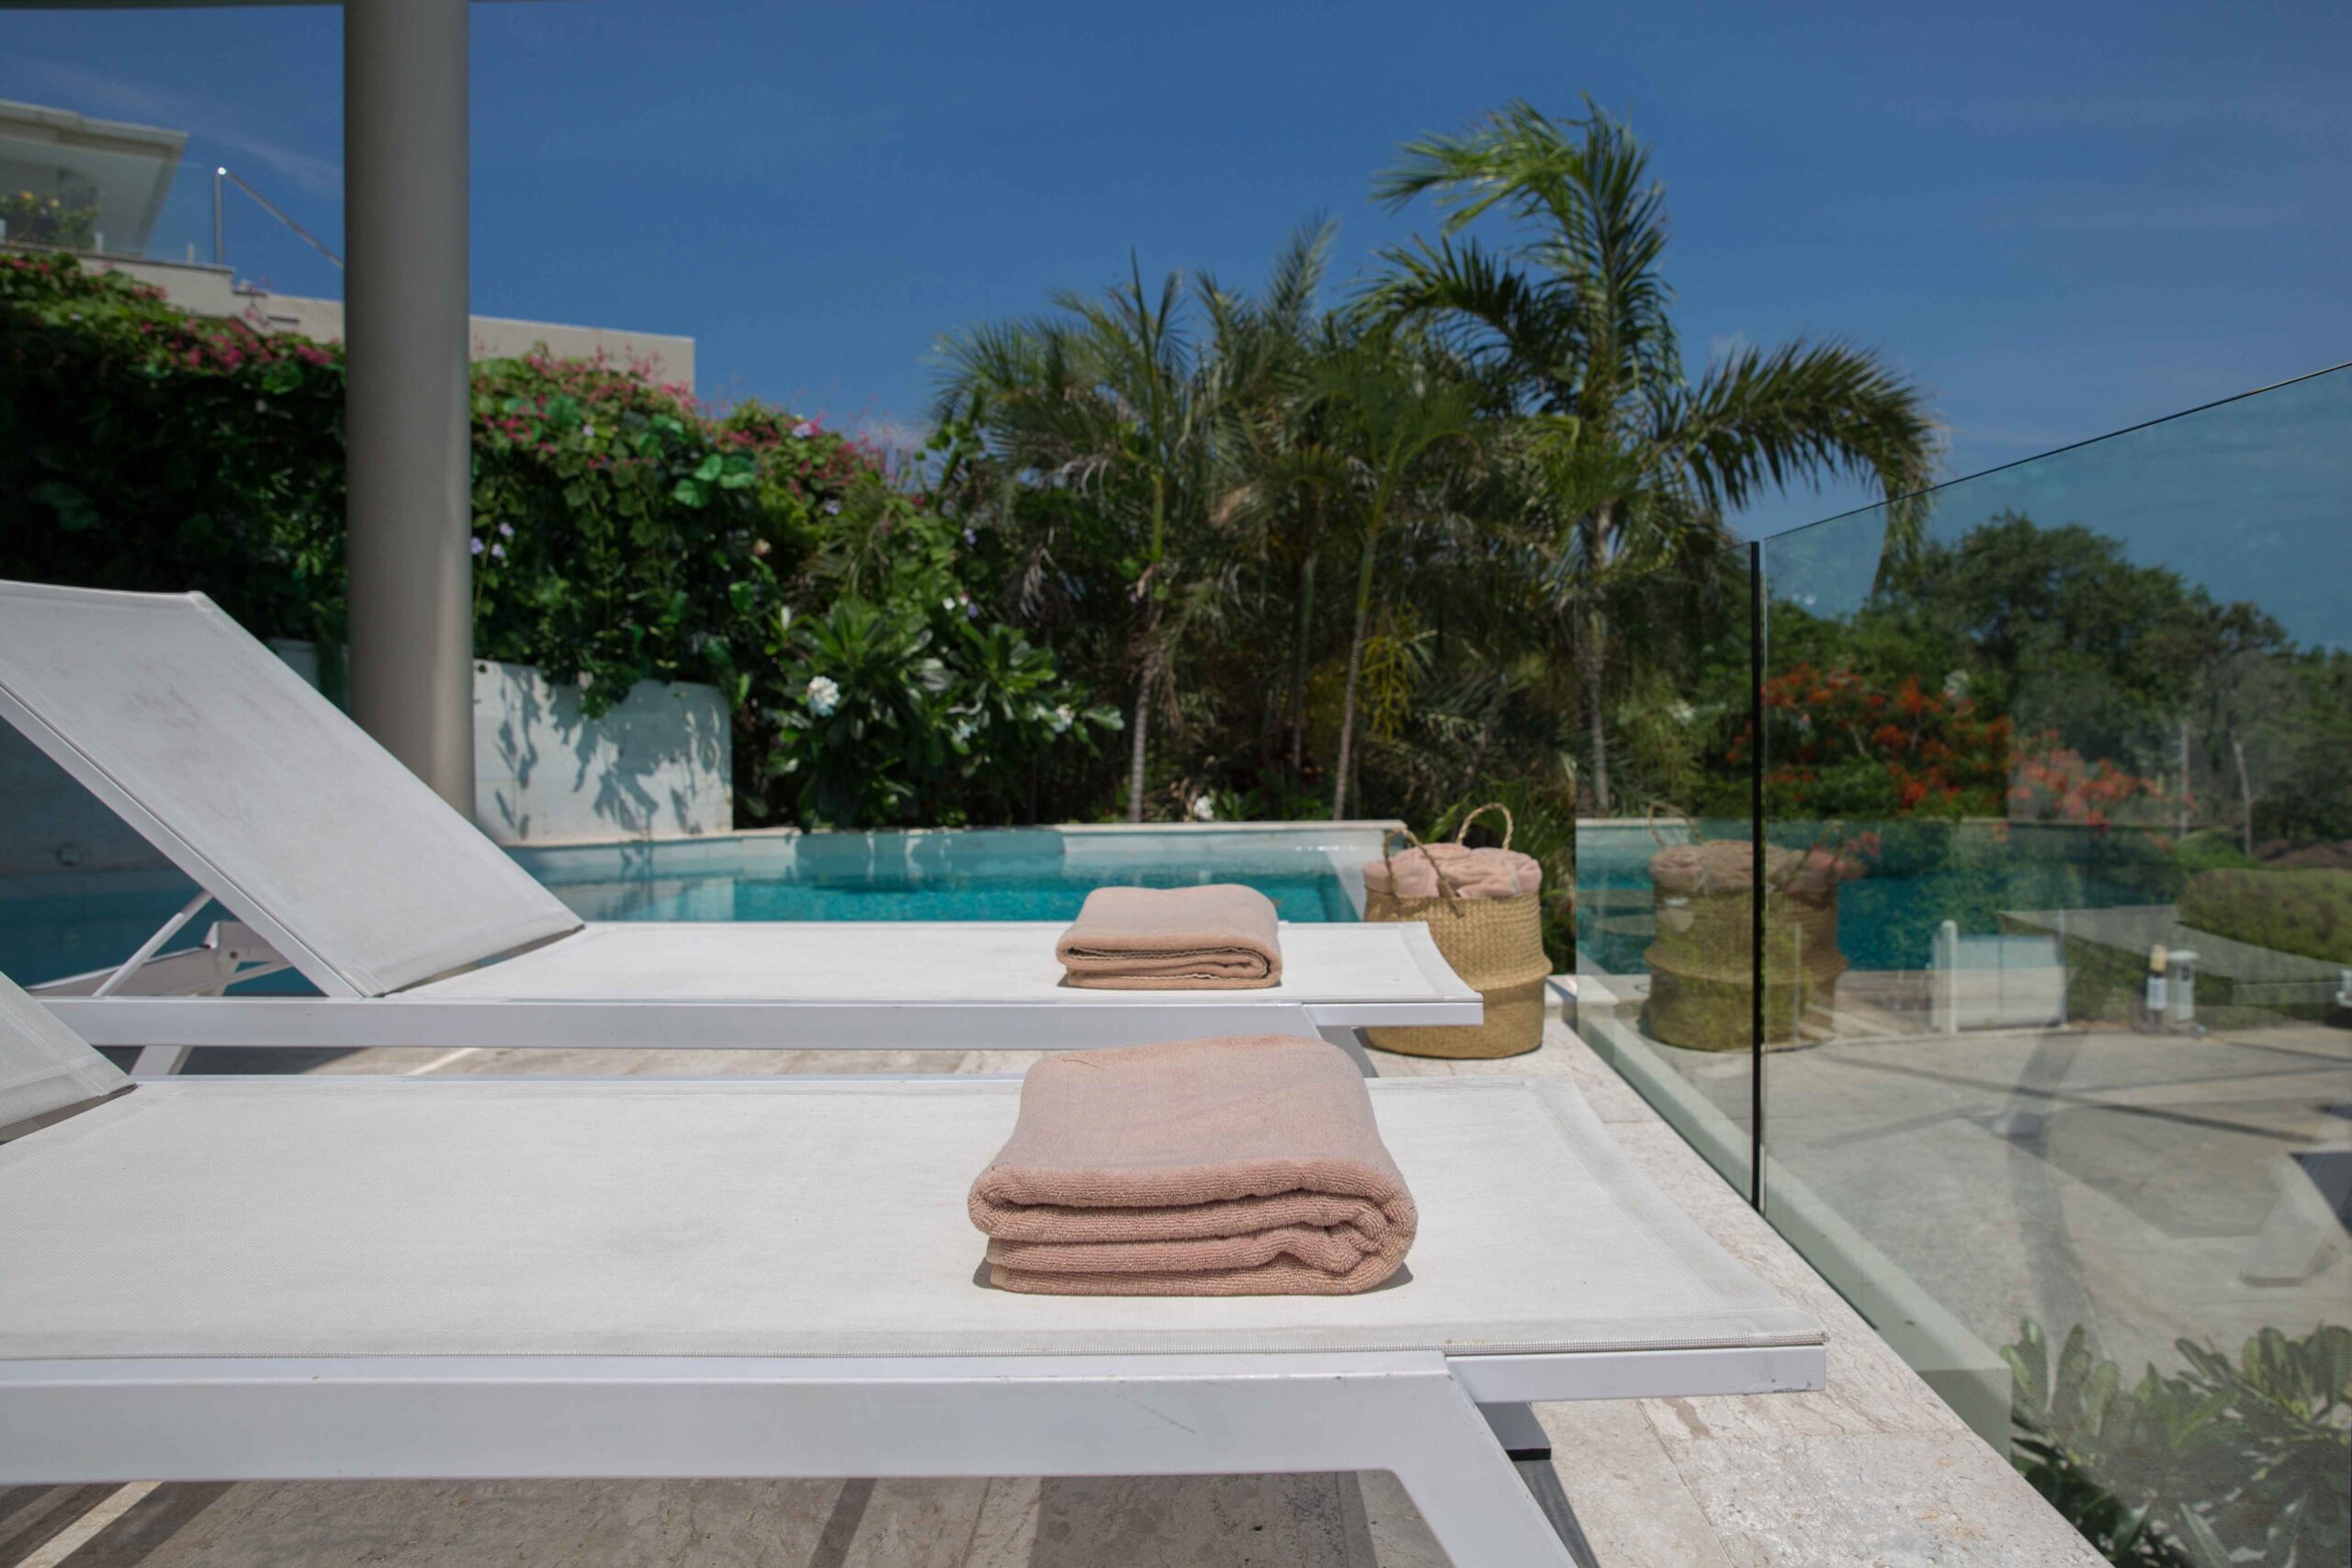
(824, 697)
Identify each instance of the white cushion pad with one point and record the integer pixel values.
(310, 1217)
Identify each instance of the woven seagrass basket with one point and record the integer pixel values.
(1702, 964)
(1495, 944)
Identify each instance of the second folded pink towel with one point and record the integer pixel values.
(1223, 937)
(1242, 1167)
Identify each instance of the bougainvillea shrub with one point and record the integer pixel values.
(141, 447)
(621, 533)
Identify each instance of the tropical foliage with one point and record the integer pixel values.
(621, 533)
(1494, 438)
(2232, 1459)
(1567, 323)
(143, 448)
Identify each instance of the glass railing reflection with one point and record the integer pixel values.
(1998, 893)
(2067, 755)
(1663, 865)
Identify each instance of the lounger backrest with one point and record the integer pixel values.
(44, 1066)
(261, 789)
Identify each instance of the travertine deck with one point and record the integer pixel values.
(1874, 1470)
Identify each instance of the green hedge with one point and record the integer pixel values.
(2305, 912)
(621, 533)
(143, 448)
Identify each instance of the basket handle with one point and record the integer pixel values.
(1798, 862)
(1446, 892)
(1462, 833)
(1690, 824)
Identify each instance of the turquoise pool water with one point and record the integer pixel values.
(88, 921)
(46, 936)
(981, 894)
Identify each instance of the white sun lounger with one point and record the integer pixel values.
(340, 863)
(296, 1277)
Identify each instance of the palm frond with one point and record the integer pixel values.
(1795, 414)
(1482, 308)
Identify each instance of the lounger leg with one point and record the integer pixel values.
(1515, 1428)
(159, 1061)
(1466, 1489)
(1352, 1042)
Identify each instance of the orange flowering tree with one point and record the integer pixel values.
(1838, 744)
(2054, 782)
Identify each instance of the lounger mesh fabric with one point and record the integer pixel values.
(768, 1218)
(44, 1066)
(259, 788)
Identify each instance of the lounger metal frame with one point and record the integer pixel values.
(1447, 1424)
(167, 1027)
(1431, 1419)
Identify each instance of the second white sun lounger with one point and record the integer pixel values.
(297, 1278)
(419, 932)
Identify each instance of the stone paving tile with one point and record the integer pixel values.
(1395, 1534)
(1243, 1521)
(624, 1064)
(578, 1524)
(1629, 1498)
(1886, 1500)
(139, 1534)
(912, 1524)
(998, 1060)
(30, 1516)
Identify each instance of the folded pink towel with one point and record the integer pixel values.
(1471, 874)
(1244, 1166)
(1224, 937)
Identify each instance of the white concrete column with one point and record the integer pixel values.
(405, 407)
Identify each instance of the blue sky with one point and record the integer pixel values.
(2061, 217)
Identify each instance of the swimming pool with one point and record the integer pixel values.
(1311, 874)
(68, 923)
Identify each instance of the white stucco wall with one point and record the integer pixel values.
(658, 765)
(202, 291)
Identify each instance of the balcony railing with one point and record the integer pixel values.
(129, 207)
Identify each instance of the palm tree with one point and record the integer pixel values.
(1395, 404)
(1271, 346)
(1570, 324)
(1112, 396)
